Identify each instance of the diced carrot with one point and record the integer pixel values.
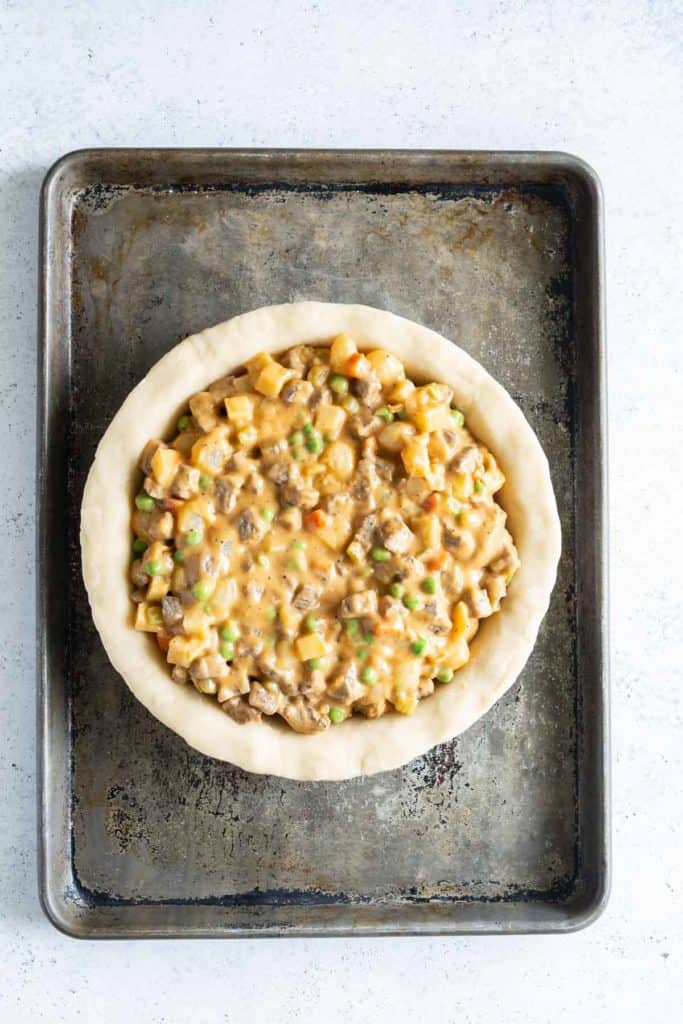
(315, 519)
(163, 640)
(358, 366)
(437, 561)
(431, 502)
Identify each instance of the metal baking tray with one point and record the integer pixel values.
(505, 829)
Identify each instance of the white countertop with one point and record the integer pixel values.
(602, 80)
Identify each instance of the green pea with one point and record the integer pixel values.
(296, 438)
(352, 627)
(339, 384)
(368, 675)
(205, 482)
(412, 602)
(315, 663)
(380, 555)
(397, 590)
(227, 650)
(385, 414)
(139, 545)
(203, 589)
(308, 429)
(479, 486)
(154, 569)
(267, 515)
(457, 417)
(183, 422)
(429, 585)
(294, 564)
(418, 647)
(315, 444)
(271, 613)
(444, 675)
(178, 556)
(262, 561)
(193, 538)
(311, 624)
(298, 454)
(337, 715)
(145, 502)
(369, 639)
(362, 653)
(230, 632)
(298, 545)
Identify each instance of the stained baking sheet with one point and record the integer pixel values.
(502, 829)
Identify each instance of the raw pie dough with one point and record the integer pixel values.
(359, 746)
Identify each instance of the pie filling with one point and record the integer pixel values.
(321, 538)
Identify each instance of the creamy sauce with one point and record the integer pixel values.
(322, 539)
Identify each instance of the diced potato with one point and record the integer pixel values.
(211, 452)
(178, 580)
(429, 529)
(358, 366)
(330, 420)
(428, 409)
(336, 532)
(165, 462)
(272, 379)
(343, 347)
(256, 364)
(436, 477)
(406, 681)
(356, 552)
(494, 478)
(205, 409)
(157, 588)
(341, 459)
(401, 390)
(395, 435)
(148, 618)
(196, 622)
(289, 617)
(462, 486)
(310, 646)
(223, 598)
(196, 514)
(388, 367)
(456, 653)
(416, 456)
(183, 650)
(240, 410)
(248, 436)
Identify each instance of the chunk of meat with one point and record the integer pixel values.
(299, 494)
(363, 487)
(171, 610)
(425, 688)
(205, 408)
(179, 675)
(291, 518)
(477, 602)
(232, 384)
(372, 704)
(313, 687)
(253, 591)
(363, 603)
(368, 391)
(297, 392)
(153, 488)
(319, 396)
(303, 717)
(138, 576)
(300, 359)
(363, 423)
(367, 534)
(185, 482)
(396, 536)
(281, 471)
(468, 460)
(263, 700)
(212, 666)
(393, 612)
(226, 491)
(346, 686)
(271, 668)
(249, 527)
(436, 610)
(307, 597)
(240, 711)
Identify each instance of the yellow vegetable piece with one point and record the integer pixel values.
(148, 618)
(401, 390)
(427, 407)
(240, 410)
(289, 617)
(212, 451)
(456, 653)
(247, 436)
(416, 456)
(165, 462)
(341, 459)
(343, 347)
(258, 363)
(336, 532)
(429, 528)
(183, 650)
(330, 420)
(196, 513)
(461, 618)
(272, 379)
(388, 368)
(157, 588)
(310, 646)
(196, 622)
(462, 486)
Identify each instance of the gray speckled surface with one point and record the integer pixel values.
(603, 81)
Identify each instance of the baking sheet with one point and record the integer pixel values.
(503, 829)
